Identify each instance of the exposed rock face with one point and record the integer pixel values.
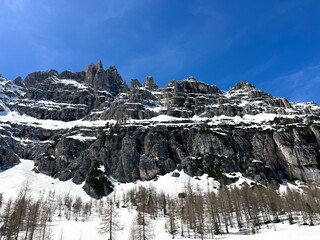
(19, 82)
(8, 156)
(150, 84)
(69, 96)
(144, 131)
(78, 76)
(101, 80)
(134, 84)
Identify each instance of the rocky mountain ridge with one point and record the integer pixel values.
(90, 126)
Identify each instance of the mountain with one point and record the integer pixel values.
(91, 127)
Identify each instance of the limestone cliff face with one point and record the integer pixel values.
(69, 96)
(89, 126)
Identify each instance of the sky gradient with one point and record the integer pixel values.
(275, 45)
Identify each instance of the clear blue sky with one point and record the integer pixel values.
(273, 44)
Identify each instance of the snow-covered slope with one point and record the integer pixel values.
(41, 186)
(22, 175)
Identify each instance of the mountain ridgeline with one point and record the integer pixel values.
(90, 127)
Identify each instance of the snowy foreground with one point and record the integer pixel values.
(40, 185)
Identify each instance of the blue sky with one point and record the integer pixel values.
(273, 44)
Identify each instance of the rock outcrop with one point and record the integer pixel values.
(89, 126)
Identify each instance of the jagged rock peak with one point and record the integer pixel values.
(191, 85)
(95, 75)
(34, 78)
(243, 85)
(67, 74)
(150, 84)
(90, 71)
(92, 68)
(247, 90)
(99, 65)
(18, 81)
(104, 80)
(113, 70)
(134, 84)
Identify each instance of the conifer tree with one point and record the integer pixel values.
(109, 224)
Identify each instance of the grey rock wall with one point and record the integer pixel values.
(141, 144)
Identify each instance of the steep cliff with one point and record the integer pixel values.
(89, 126)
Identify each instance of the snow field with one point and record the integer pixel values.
(40, 185)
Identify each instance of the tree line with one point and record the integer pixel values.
(204, 214)
(193, 213)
